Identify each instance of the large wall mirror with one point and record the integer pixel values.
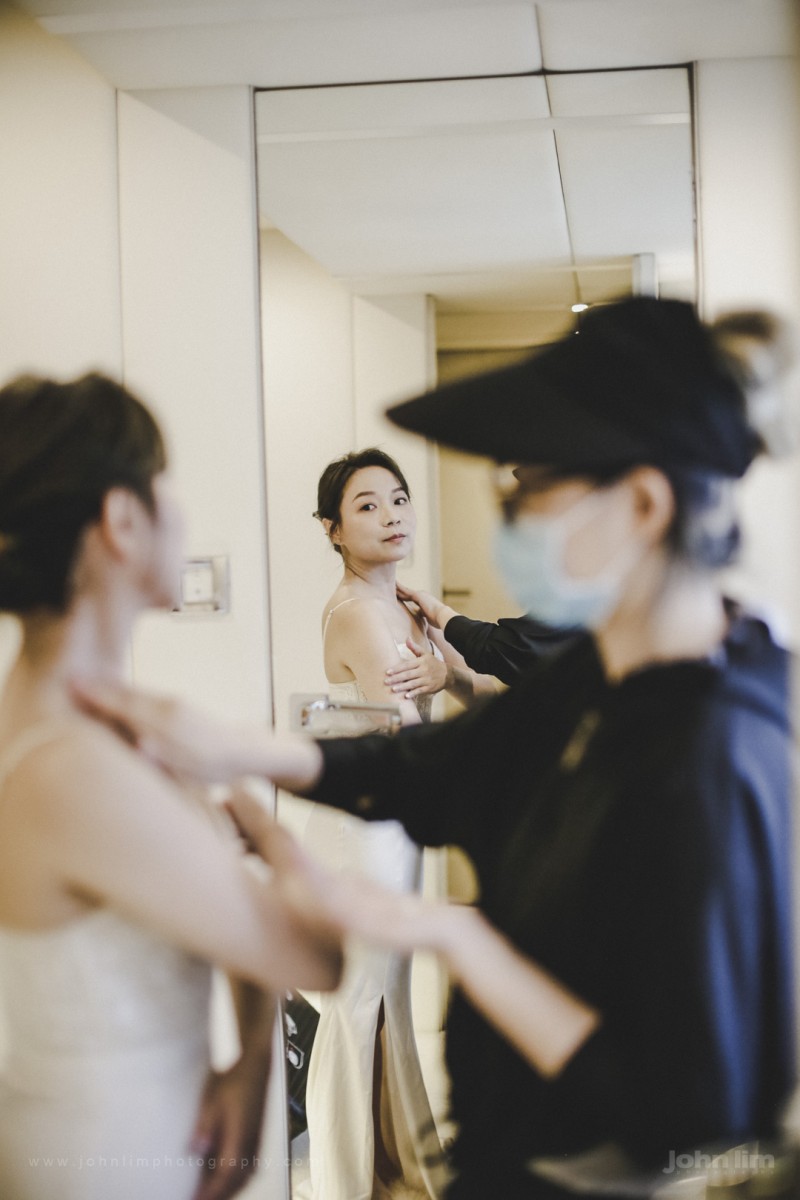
(462, 219)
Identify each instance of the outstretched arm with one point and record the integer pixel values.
(439, 781)
(541, 1018)
(183, 741)
(545, 1022)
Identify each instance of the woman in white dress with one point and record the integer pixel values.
(369, 1118)
(118, 889)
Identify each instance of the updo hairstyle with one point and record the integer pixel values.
(761, 352)
(64, 445)
(337, 475)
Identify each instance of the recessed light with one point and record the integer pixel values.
(579, 307)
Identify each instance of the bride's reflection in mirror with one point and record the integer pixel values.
(369, 1119)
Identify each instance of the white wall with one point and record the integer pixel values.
(747, 139)
(309, 419)
(191, 344)
(59, 256)
(190, 321)
(59, 260)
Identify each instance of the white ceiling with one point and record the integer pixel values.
(287, 43)
(467, 169)
(518, 194)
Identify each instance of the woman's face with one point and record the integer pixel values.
(601, 528)
(377, 521)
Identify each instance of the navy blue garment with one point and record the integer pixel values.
(634, 840)
(507, 649)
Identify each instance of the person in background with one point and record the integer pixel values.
(624, 988)
(369, 1119)
(118, 887)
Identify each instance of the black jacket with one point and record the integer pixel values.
(634, 840)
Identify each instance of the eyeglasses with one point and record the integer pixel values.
(513, 482)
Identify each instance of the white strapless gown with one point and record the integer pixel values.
(340, 1079)
(103, 1056)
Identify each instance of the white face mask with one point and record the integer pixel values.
(529, 554)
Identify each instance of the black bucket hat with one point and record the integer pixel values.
(640, 381)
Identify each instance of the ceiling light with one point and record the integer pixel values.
(579, 307)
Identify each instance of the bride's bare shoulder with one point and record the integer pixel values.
(346, 608)
(70, 763)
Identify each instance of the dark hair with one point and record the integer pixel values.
(64, 445)
(337, 474)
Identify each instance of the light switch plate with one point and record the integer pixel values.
(204, 585)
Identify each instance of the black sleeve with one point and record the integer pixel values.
(458, 781)
(507, 649)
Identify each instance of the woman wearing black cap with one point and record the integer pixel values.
(626, 981)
